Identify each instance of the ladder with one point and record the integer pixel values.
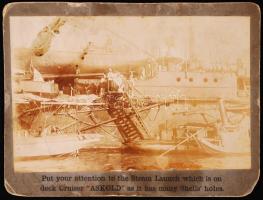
(129, 130)
(138, 117)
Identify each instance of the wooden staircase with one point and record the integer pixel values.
(128, 121)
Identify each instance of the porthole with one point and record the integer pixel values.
(178, 79)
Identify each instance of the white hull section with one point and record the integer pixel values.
(52, 144)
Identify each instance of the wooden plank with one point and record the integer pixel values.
(85, 75)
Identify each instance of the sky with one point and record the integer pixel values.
(209, 39)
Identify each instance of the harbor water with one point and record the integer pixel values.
(116, 160)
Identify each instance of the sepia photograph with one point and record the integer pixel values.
(130, 93)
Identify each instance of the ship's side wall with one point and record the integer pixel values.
(196, 85)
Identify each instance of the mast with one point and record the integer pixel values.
(189, 53)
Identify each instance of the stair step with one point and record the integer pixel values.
(129, 132)
(134, 137)
(128, 122)
(133, 134)
(122, 124)
(132, 129)
(125, 127)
